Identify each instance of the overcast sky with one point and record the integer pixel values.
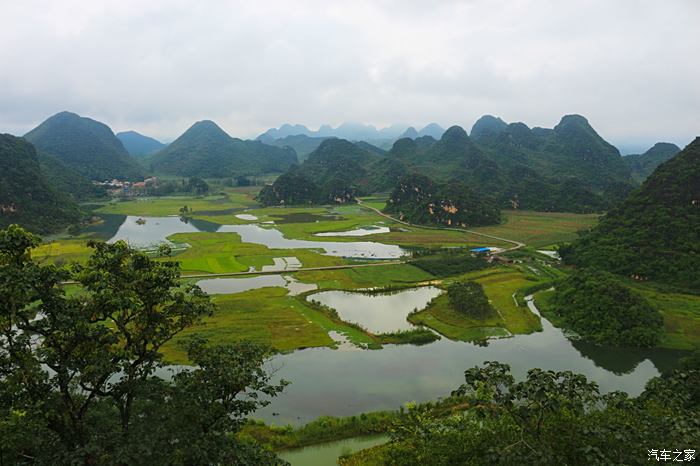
(631, 67)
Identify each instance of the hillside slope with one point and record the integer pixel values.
(205, 150)
(26, 196)
(137, 144)
(655, 233)
(643, 165)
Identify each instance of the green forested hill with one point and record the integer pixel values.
(572, 149)
(335, 172)
(417, 199)
(655, 233)
(205, 150)
(87, 146)
(137, 144)
(642, 165)
(67, 180)
(569, 168)
(26, 196)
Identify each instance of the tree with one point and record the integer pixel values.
(78, 380)
(549, 418)
(198, 186)
(243, 181)
(469, 298)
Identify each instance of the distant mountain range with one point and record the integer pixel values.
(566, 168)
(205, 150)
(87, 146)
(137, 144)
(655, 233)
(351, 132)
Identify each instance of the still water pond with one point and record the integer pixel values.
(145, 232)
(378, 313)
(327, 454)
(365, 231)
(344, 383)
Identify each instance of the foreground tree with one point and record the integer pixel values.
(550, 418)
(78, 371)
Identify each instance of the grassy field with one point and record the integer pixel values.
(265, 315)
(540, 229)
(170, 205)
(62, 251)
(681, 313)
(365, 277)
(224, 252)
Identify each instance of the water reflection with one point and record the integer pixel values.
(344, 383)
(378, 313)
(274, 239)
(144, 232)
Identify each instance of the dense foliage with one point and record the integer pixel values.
(26, 195)
(655, 233)
(78, 371)
(87, 146)
(643, 165)
(206, 151)
(469, 298)
(447, 263)
(197, 186)
(137, 144)
(418, 200)
(68, 180)
(550, 418)
(290, 188)
(599, 308)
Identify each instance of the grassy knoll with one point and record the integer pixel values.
(500, 289)
(224, 252)
(499, 285)
(455, 326)
(539, 229)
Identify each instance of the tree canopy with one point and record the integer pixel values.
(469, 298)
(549, 418)
(81, 377)
(598, 307)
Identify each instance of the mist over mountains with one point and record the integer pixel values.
(350, 131)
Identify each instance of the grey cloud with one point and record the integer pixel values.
(157, 66)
